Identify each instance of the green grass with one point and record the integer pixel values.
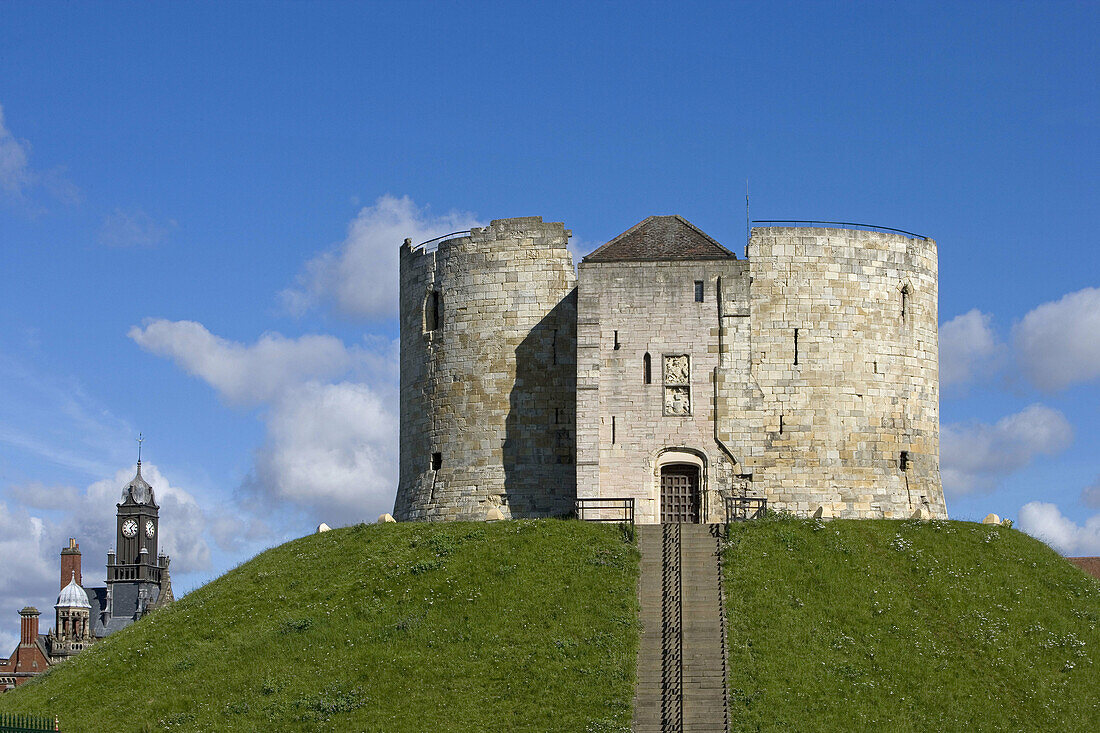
(908, 626)
(520, 626)
(531, 626)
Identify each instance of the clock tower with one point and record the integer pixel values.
(137, 574)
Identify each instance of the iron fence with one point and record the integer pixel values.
(744, 508)
(606, 510)
(20, 723)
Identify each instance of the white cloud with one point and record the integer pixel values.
(1058, 343)
(331, 446)
(360, 274)
(14, 154)
(579, 248)
(1045, 522)
(89, 516)
(17, 177)
(133, 228)
(244, 374)
(1090, 495)
(974, 456)
(37, 520)
(968, 348)
(27, 578)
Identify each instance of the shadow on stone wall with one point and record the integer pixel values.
(540, 473)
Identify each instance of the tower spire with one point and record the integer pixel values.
(140, 438)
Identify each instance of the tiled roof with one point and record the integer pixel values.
(1088, 564)
(661, 238)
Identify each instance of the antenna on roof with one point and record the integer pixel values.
(140, 438)
(748, 227)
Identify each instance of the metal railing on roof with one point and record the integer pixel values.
(845, 224)
(439, 240)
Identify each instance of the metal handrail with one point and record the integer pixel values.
(873, 227)
(441, 237)
(744, 508)
(624, 504)
(672, 618)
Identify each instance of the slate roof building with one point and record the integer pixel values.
(138, 581)
(667, 370)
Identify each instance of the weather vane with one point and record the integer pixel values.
(140, 438)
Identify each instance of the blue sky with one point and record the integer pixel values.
(200, 205)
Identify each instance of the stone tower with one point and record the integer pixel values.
(135, 570)
(675, 374)
(836, 403)
(72, 631)
(488, 373)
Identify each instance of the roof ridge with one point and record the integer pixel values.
(656, 238)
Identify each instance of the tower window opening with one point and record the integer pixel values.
(616, 341)
(780, 423)
(904, 302)
(903, 461)
(698, 291)
(433, 311)
(647, 369)
(612, 430)
(437, 461)
(796, 346)
(554, 346)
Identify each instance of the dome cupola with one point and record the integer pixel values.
(72, 596)
(138, 491)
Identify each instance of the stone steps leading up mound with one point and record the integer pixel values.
(681, 659)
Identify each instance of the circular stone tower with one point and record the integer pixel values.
(845, 361)
(488, 374)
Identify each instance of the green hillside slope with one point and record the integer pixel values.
(523, 626)
(530, 626)
(908, 626)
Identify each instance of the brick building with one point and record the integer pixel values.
(138, 581)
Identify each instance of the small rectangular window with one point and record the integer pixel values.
(616, 341)
(698, 291)
(903, 460)
(612, 430)
(437, 461)
(796, 346)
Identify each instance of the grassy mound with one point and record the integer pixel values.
(402, 627)
(908, 626)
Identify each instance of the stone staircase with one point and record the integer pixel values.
(682, 656)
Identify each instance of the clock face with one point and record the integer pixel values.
(150, 529)
(129, 528)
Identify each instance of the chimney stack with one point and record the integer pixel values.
(70, 563)
(28, 626)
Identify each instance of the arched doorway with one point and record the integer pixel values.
(680, 493)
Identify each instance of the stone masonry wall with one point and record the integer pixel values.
(491, 390)
(650, 307)
(827, 426)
